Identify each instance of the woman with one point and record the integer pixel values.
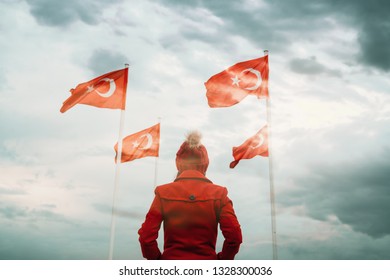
(191, 208)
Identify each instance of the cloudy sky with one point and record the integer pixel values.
(329, 86)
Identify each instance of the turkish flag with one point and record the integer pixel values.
(145, 143)
(257, 145)
(237, 82)
(105, 91)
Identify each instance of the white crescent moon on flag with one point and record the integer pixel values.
(257, 73)
(110, 91)
(150, 141)
(261, 142)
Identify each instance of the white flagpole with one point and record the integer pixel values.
(271, 178)
(156, 162)
(116, 182)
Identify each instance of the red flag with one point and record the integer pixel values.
(105, 91)
(256, 145)
(145, 143)
(233, 84)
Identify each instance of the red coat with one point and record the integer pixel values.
(191, 208)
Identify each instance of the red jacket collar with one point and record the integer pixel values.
(192, 175)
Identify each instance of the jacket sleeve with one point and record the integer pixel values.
(148, 233)
(230, 228)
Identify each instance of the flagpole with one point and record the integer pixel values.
(271, 177)
(156, 161)
(116, 181)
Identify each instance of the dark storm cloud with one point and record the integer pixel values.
(358, 248)
(15, 244)
(58, 13)
(15, 213)
(103, 61)
(62, 13)
(356, 191)
(60, 242)
(371, 19)
(310, 66)
(375, 43)
(275, 25)
(41, 234)
(253, 26)
(279, 23)
(12, 212)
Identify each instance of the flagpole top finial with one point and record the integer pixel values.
(127, 65)
(265, 52)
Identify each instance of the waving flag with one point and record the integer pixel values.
(105, 91)
(145, 143)
(232, 85)
(257, 145)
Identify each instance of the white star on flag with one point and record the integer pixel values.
(90, 89)
(236, 80)
(135, 144)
